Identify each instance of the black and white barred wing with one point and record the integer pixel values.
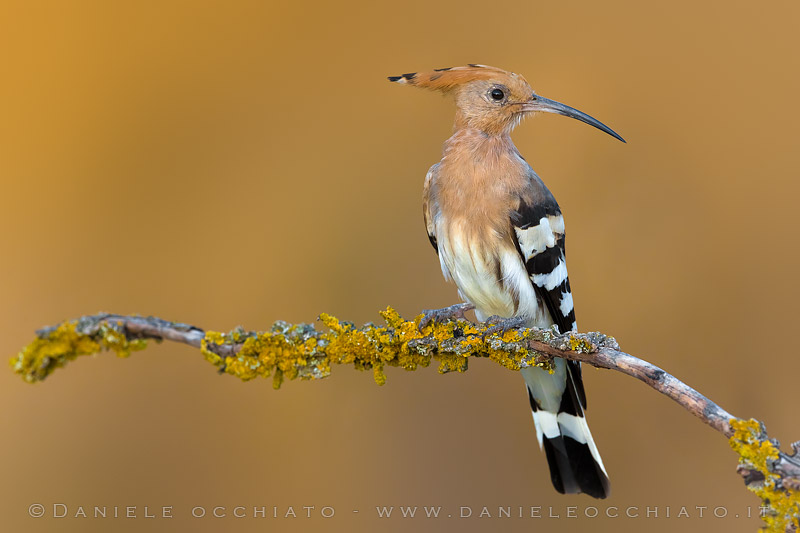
(540, 237)
(540, 234)
(558, 399)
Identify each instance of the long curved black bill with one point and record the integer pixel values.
(539, 103)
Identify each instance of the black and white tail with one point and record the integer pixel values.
(558, 401)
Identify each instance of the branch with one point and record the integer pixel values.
(301, 351)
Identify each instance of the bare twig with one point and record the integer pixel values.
(612, 358)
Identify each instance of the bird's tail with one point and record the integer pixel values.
(558, 401)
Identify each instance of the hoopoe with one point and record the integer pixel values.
(499, 234)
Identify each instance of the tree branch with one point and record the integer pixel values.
(301, 351)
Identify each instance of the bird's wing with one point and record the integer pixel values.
(539, 231)
(427, 205)
(557, 400)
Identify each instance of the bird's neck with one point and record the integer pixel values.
(478, 146)
(478, 167)
(477, 182)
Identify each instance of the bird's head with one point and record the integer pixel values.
(490, 99)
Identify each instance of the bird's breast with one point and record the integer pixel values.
(487, 269)
(470, 197)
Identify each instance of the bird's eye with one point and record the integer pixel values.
(497, 94)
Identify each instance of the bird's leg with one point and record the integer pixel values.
(444, 314)
(501, 324)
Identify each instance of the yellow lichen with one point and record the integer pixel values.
(379, 375)
(113, 339)
(214, 337)
(755, 453)
(290, 352)
(579, 345)
(64, 343)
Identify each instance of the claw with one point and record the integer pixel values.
(503, 325)
(444, 314)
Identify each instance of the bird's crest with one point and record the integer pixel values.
(447, 79)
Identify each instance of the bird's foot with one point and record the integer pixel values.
(502, 325)
(444, 314)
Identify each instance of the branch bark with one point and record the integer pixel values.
(301, 351)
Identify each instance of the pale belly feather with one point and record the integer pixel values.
(492, 278)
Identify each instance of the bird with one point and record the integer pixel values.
(499, 235)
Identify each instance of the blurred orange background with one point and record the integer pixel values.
(236, 163)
